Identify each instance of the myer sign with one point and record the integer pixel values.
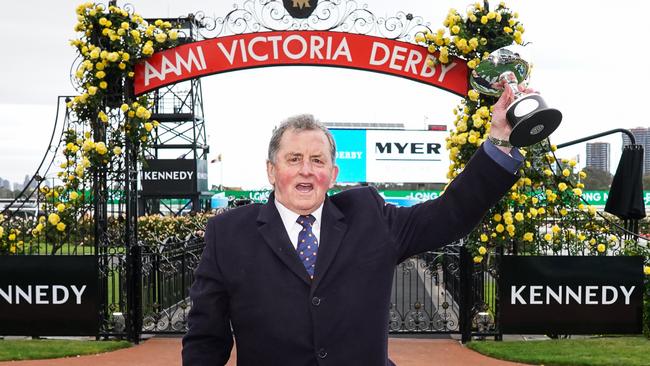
(391, 156)
(571, 295)
(48, 295)
(173, 176)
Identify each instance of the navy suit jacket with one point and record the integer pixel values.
(251, 284)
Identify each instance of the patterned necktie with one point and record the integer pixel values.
(307, 243)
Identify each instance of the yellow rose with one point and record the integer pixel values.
(12, 237)
(161, 37)
(455, 29)
(548, 172)
(601, 248)
(484, 238)
(499, 228)
(577, 191)
(117, 150)
(482, 250)
(562, 186)
(563, 212)
(113, 57)
(103, 117)
(473, 95)
(528, 237)
(124, 25)
(74, 195)
(60, 207)
(92, 90)
(173, 35)
(583, 175)
(478, 259)
(548, 237)
(103, 85)
(519, 216)
(646, 270)
(100, 147)
(100, 74)
(53, 218)
(497, 217)
(484, 19)
(124, 107)
(60, 226)
(507, 29)
(566, 172)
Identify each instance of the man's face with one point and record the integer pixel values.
(303, 170)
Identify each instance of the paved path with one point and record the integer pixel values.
(166, 352)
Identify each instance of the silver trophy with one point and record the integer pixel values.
(531, 119)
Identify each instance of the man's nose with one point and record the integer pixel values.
(306, 168)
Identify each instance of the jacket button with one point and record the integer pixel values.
(322, 353)
(315, 301)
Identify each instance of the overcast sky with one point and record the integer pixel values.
(589, 62)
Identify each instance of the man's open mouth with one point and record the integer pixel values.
(304, 187)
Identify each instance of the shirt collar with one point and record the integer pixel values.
(289, 217)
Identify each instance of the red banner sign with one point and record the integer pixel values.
(314, 48)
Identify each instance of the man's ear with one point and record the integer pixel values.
(335, 174)
(270, 172)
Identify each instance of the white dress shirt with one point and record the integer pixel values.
(293, 227)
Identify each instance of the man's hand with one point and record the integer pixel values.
(500, 127)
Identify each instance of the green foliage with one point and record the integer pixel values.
(628, 351)
(42, 349)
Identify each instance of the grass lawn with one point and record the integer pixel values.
(628, 351)
(39, 349)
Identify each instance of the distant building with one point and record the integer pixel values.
(642, 137)
(598, 155)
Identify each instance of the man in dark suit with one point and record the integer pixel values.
(305, 279)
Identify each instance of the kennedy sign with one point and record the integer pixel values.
(316, 48)
(571, 295)
(48, 295)
(174, 176)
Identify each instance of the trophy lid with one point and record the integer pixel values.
(486, 77)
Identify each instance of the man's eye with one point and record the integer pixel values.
(294, 159)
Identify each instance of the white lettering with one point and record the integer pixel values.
(396, 56)
(627, 294)
(556, 295)
(6, 295)
(428, 71)
(55, 297)
(303, 47)
(40, 294)
(577, 297)
(27, 296)
(613, 299)
(535, 293)
(343, 50)
(229, 55)
(373, 54)
(444, 70)
(412, 61)
(316, 44)
(78, 292)
(590, 292)
(516, 295)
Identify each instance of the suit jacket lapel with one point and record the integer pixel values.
(332, 231)
(272, 230)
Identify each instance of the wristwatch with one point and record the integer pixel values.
(497, 142)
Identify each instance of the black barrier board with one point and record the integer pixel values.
(571, 295)
(174, 176)
(48, 295)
